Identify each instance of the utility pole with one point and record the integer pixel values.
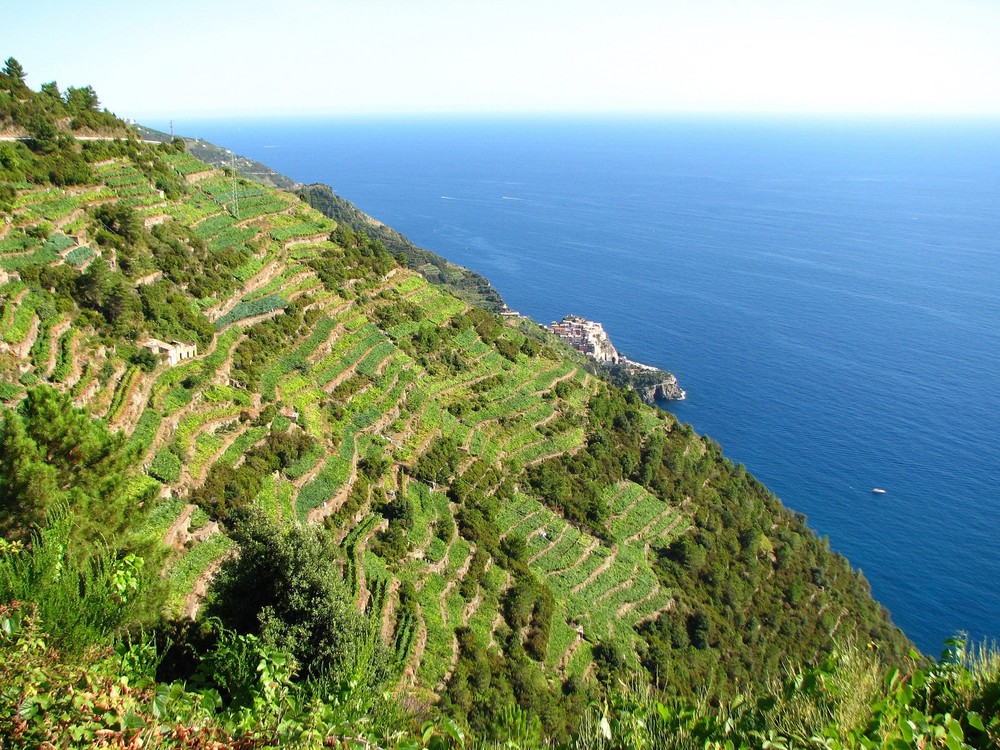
(236, 195)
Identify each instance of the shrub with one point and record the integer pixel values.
(286, 587)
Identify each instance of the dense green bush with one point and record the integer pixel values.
(82, 596)
(285, 586)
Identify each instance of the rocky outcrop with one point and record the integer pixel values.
(668, 390)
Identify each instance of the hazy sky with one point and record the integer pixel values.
(221, 57)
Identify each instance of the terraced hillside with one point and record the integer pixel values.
(513, 526)
(463, 282)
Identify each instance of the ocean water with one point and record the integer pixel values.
(828, 293)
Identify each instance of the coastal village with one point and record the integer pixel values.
(590, 338)
(586, 336)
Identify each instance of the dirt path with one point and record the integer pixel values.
(76, 368)
(199, 176)
(550, 546)
(134, 401)
(548, 456)
(101, 399)
(629, 606)
(669, 530)
(545, 420)
(593, 544)
(221, 376)
(23, 349)
(497, 621)
(227, 441)
(309, 475)
(567, 655)
(568, 376)
(348, 371)
(668, 607)
(458, 577)
(252, 320)
(313, 239)
(18, 298)
(452, 661)
(417, 655)
(325, 347)
(93, 386)
(359, 553)
(262, 278)
(523, 518)
(317, 514)
(652, 522)
(471, 608)
(250, 219)
(628, 508)
(169, 423)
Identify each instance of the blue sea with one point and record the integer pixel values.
(827, 292)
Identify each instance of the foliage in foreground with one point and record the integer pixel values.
(845, 703)
(77, 670)
(285, 586)
(95, 679)
(109, 697)
(52, 454)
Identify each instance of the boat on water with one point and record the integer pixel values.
(878, 491)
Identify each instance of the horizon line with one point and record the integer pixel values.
(859, 117)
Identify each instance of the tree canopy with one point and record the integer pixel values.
(52, 454)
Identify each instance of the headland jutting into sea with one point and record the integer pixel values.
(590, 338)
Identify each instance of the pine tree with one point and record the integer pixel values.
(28, 484)
(12, 69)
(52, 452)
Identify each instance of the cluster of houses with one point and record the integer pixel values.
(586, 336)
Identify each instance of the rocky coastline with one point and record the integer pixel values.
(653, 384)
(667, 390)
